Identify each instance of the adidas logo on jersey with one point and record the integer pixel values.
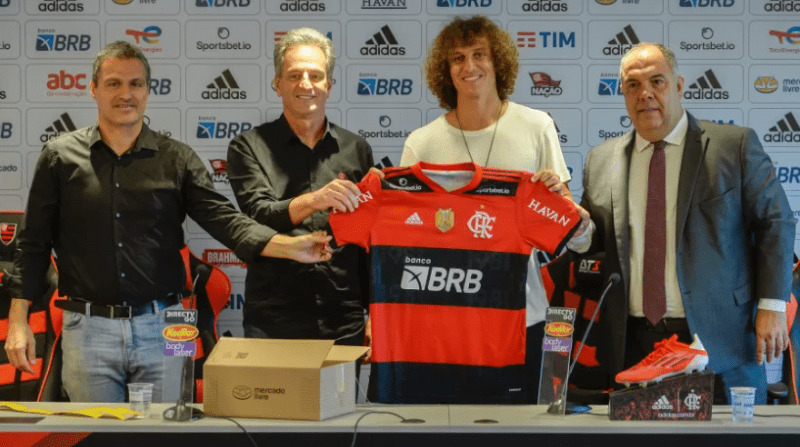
(662, 404)
(414, 219)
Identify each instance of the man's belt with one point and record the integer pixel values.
(116, 312)
(664, 325)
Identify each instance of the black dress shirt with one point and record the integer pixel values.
(116, 222)
(268, 167)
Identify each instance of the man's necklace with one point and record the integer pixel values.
(491, 144)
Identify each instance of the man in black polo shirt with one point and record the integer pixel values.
(111, 200)
(288, 174)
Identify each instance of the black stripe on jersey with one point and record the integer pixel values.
(449, 277)
(493, 187)
(428, 383)
(405, 182)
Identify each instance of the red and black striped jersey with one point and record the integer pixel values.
(448, 277)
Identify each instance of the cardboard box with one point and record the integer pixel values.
(280, 379)
(680, 398)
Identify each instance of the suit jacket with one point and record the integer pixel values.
(735, 235)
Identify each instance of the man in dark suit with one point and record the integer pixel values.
(726, 227)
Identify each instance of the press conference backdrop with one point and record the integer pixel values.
(212, 66)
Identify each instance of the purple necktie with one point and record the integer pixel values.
(655, 238)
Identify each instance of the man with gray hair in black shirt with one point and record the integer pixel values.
(288, 174)
(111, 200)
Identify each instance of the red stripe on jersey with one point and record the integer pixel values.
(447, 334)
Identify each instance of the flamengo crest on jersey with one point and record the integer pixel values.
(448, 277)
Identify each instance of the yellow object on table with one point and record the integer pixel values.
(120, 413)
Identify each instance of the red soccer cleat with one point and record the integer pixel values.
(669, 358)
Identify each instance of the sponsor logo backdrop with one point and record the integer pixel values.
(212, 66)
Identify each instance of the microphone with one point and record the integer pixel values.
(558, 407)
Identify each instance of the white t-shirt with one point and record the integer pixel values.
(525, 140)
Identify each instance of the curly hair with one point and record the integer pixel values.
(463, 32)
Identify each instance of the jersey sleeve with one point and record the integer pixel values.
(546, 219)
(355, 227)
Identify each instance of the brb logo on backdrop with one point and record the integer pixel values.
(222, 3)
(706, 3)
(210, 128)
(463, 3)
(48, 40)
(371, 85)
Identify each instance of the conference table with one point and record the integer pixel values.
(425, 425)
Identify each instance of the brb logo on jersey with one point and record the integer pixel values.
(418, 274)
(47, 40)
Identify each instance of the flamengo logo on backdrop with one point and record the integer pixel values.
(706, 87)
(209, 127)
(62, 125)
(60, 6)
(383, 43)
(47, 40)
(302, 6)
(224, 87)
(544, 85)
(622, 42)
(782, 6)
(220, 170)
(544, 6)
(784, 131)
(220, 3)
(706, 3)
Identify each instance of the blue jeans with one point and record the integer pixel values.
(102, 355)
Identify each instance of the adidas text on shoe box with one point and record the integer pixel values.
(280, 379)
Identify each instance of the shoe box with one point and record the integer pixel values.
(687, 397)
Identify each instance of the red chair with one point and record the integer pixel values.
(45, 321)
